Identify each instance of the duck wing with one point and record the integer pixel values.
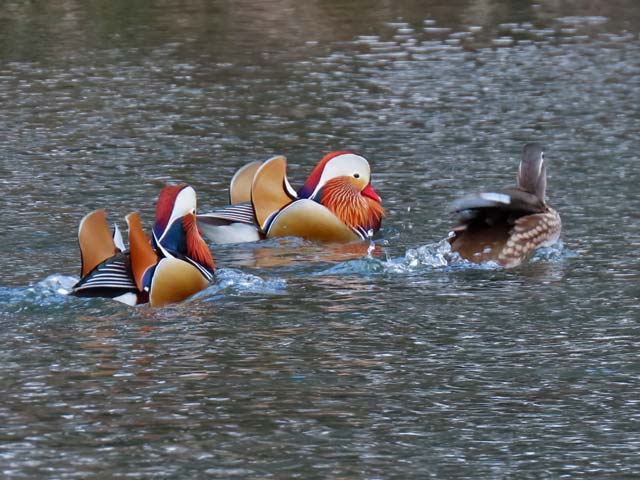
(240, 185)
(112, 278)
(513, 200)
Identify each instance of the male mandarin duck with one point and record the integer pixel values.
(336, 204)
(507, 226)
(174, 265)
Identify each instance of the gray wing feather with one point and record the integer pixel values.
(511, 199)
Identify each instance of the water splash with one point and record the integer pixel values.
(427, 257)
(433, 256)
(233, 282)
(554, 253)
(54, 290)
(49, 291)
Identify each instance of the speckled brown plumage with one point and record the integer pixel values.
(508, 226)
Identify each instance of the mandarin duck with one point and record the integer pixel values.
(173, 265)
(507, 226)
(336, 203)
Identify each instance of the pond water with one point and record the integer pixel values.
(391, 360)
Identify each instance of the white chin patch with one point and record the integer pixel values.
(496, 197)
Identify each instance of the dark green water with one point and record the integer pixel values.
(301, 361)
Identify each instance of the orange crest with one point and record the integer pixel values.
(197, 248)
(313, 179)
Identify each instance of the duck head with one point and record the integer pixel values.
(532, 174)
(342, 183)
(175, 230)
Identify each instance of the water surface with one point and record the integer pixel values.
(304, 361)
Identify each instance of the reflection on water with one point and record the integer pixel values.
(304, 361)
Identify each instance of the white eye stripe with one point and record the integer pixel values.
(184, 203)
(344, 165)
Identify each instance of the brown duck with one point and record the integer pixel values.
(507, 226)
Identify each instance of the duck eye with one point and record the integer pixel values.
(356, 175)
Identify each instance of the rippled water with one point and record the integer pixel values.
(392, 360)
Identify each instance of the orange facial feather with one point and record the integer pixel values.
(345, 201)
(197, 248)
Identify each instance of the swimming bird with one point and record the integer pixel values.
(170, 266)
(336, 203)
(507, 226)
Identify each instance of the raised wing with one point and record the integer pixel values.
(96, 241)
(143, 256)
(270, 191)
(240, 186)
